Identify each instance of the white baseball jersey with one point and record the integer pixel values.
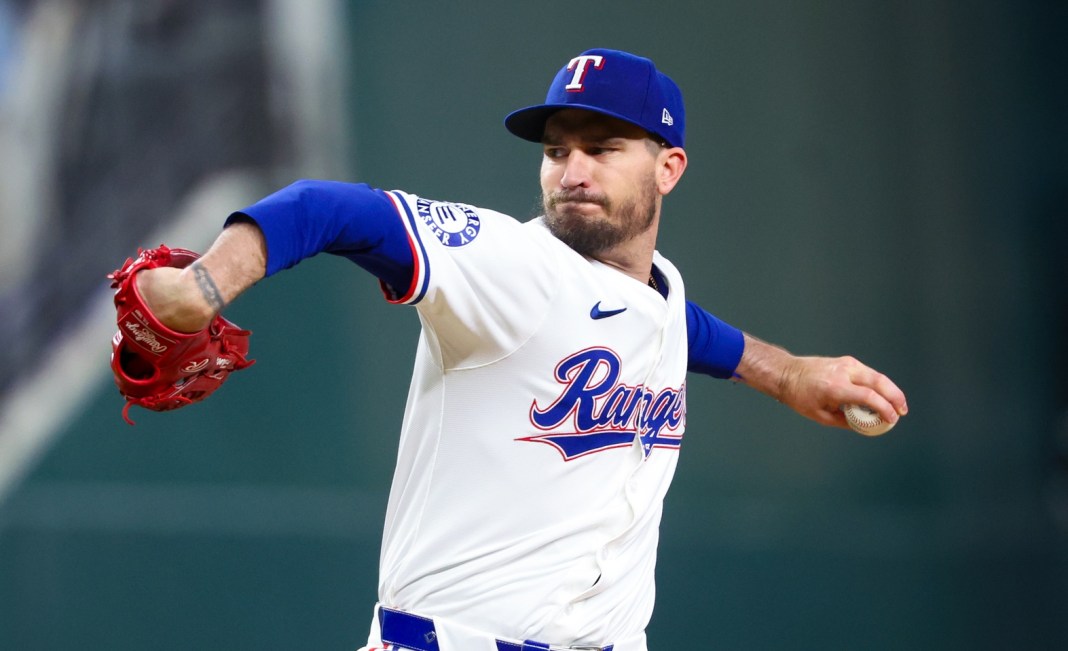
(542, 429)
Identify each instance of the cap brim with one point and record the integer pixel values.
(529, 123)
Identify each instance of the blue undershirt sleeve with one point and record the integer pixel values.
(715, 346)
(347, 219)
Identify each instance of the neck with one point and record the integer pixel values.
(633, 257)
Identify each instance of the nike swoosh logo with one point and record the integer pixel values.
(598, 313)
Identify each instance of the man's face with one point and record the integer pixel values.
(597, 180)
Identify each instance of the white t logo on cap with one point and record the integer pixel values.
(581, 64)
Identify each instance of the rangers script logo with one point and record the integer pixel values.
(603, 413)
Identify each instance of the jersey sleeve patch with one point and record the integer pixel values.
(452, 224)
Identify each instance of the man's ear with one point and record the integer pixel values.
(670, 164)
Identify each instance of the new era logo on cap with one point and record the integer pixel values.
(614, 83)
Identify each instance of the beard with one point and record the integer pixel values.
(593, 235)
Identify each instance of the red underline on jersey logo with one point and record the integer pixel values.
(572, 445)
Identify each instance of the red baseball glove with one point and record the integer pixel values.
(158, 368)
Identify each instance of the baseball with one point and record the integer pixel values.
(865, 421)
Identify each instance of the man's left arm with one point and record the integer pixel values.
(815, 387)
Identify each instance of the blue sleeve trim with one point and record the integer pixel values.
(420, 275)
(715, 347)
(352, 220)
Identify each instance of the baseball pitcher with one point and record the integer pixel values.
(550, 370)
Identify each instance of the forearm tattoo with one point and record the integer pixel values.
(208, 289)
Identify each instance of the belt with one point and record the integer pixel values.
(418, 633)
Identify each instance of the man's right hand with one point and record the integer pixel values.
(172, 295)
(188, 299)
(156, 365)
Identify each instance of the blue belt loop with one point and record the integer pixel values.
(407, 630)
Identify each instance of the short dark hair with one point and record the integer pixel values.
(655, 143)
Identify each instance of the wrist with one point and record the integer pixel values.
(172, 296)
(770, 369)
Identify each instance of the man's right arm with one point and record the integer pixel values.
(188, 299)
(297, 222)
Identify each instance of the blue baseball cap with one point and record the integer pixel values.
(614, 83)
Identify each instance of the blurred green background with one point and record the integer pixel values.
(881, 179)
